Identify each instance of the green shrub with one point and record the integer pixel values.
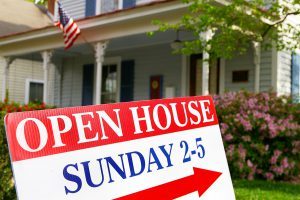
(261, 134)
(7, 189)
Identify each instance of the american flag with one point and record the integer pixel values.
(68, 26)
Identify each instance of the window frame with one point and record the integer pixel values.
(115, 61)
(234, 72)
(98, 6)
(27, 88)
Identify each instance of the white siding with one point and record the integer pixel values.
(266, 70)
(19, 71)
(243, 62)
(75, 8)
(284, 73)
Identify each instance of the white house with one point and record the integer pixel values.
(114, 60)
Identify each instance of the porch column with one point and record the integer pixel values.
(205, 63)
(46, 55)
(99, 58)
(7, 62)
(257, 56)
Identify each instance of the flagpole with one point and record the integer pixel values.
(86, 41)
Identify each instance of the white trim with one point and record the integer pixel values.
(100, 48)
(222, 76)
(275, 65)
(117, 61)
(55, 15)
(257, 60)
(46, 56)
(205, 74)
(98, 7)
(184, 75)
(120, 4)
(27, 87)
(205, 62)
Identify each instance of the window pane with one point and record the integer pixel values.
(240, 76)
(36, 92)
(109, 5)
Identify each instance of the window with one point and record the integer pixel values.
(95, 7)
(109, 84)
(240, 76)
(34, 91)
(110, 87)
(109, 5)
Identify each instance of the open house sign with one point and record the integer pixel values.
(161, 149)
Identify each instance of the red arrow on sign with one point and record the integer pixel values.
(200, 181)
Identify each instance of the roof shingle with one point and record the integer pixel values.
(20, 15)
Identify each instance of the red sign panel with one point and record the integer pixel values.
(162, 148)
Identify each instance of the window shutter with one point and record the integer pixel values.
(90, 8)
(128, 3)
(127, 80)
(87, 85)
(296, 77)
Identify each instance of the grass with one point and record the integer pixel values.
(265, 190)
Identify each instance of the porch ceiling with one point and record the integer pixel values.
(108, 27)
(122, 43)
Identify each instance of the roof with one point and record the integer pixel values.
(20, 16)
(50, 25)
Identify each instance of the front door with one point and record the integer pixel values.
(195, 74)
(196, 63)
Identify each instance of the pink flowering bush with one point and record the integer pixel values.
(261, 134)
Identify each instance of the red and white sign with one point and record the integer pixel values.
(160, 149)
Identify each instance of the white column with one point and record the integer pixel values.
(7, 62)
(205, 65)
(257, 52)
(99, 58)
(46, 55)
(205, 74)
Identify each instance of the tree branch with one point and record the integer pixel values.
(279, 22)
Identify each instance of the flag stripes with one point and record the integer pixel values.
(68, 26)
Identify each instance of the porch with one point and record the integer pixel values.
(129, 68)
(115, 61)
(105, 72)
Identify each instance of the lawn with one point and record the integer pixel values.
(257, 190)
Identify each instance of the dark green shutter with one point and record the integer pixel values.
(127, 80)
(128, 3)
(90, 8)
(88, 85)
